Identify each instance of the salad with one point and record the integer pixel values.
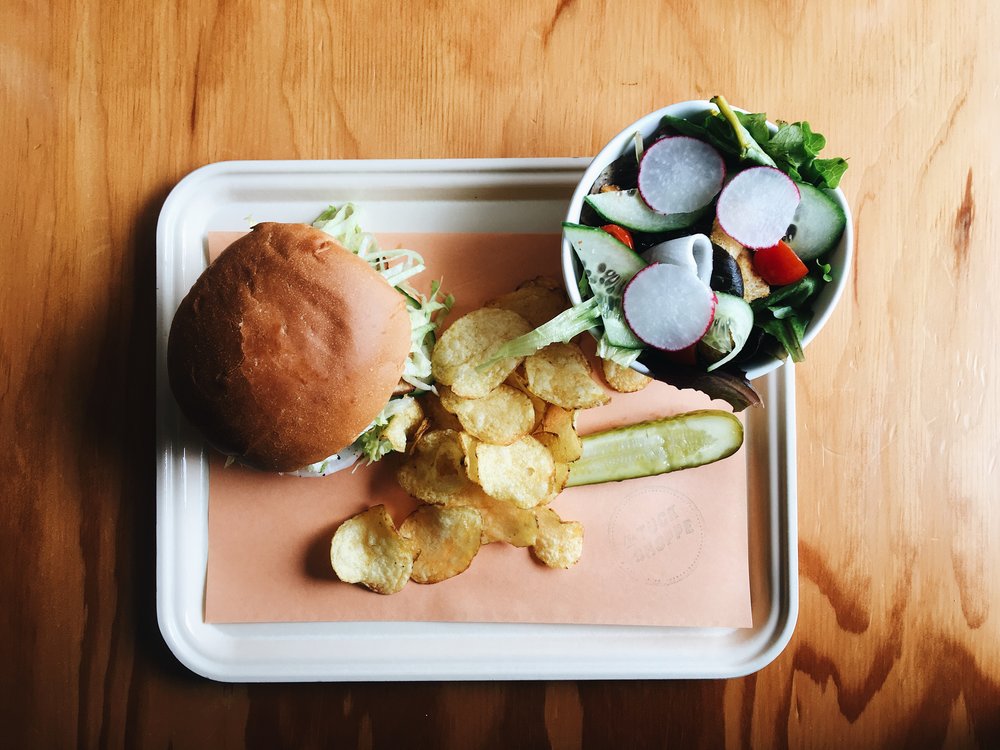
(701, 248)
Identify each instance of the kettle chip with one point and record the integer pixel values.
(559, 543)
(560, 374)
(623, 379)
(501, 417)
(467, 342)
(438, 417)
(446, 538)
(367, 549)
(435, 471)
(520, 473)
(405, 425)
(517, 380)
(536, 301)
(504, 522)
(559, 435)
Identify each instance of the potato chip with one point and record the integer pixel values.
(519, 473)
(449, 400)
(559, 479)
(468, 343)
(367, 549)
(516, 380)
(404, 424)
(438, 417)
(560, 374)
(504, 522)
(546, 282)
(534, 302)
(446, 538)
(559, 543)
(435, 472)
(471, 464)
(558, 434)
(558, 420)
(501, 417)
(624, 379)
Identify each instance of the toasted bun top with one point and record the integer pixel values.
(286, 347)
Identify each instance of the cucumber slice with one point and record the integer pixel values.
(656, 447)
(608, 265)
(626, 208)
(817, 225)
(729, 332)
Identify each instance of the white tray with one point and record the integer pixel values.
(489, 195)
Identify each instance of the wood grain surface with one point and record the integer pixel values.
(105, 105)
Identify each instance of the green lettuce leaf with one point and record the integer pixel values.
(794, 148)
(784, 314)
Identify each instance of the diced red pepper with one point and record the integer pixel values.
(619, 233)
(779, 265)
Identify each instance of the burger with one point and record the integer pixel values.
(298, 344)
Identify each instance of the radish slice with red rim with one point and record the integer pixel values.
(680, 175)
(757, 206)
(668, 307)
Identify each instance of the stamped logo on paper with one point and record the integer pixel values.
(657, 535)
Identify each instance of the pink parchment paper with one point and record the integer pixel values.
(668, 550)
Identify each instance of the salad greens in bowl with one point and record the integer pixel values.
(704, 246)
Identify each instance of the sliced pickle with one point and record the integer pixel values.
(656, 447)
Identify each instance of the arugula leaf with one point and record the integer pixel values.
(825, 172)
(794, 148)
(795, 144)
(707, 129)
(788, 332)
(750, 150)
(792, 295)
(784, 315)
(756, 125)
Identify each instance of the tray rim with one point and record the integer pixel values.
(226, 652)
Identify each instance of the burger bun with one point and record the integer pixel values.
(286, 348)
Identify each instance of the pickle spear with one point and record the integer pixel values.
(655, 447)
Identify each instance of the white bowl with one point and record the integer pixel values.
(840, 259)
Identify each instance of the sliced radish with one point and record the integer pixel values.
(693, 251)
(680, 175)
(757, 206)
(668, 306)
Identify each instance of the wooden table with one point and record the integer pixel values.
(105, 106)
